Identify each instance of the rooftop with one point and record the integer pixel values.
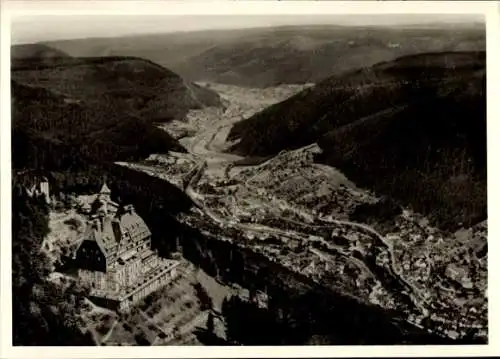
(105, 189)
(108, 229)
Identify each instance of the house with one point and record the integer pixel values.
(459, 275)
(115, 258)
(39, 186)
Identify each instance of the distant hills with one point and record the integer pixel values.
(67, 111)
(413, 128)
(37, 55)
(262, 57)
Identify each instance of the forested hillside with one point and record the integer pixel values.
(71, 122)
(29, 55)
(50, 132)
(44, 312)
(413, 128)
(71, 119)
(120, 84)
(77, 112)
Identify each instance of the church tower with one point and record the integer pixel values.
(44, 188)
(105, 193)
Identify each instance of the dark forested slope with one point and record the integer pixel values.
(67, 113)
(28, 55)
(43, 312)
(120, 84)
(70, 122)
(52, 133)
(71, 119)
(413, 128)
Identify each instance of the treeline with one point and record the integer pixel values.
(413, 129)
(431, 156)
(50, 133)
(128, 85)
(74, 145)
(43, 312)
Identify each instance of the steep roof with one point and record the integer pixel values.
(105, 189)
(134, 225)
(101, 228)
(93, 234)
(102, 232)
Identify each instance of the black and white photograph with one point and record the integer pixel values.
(248, 180)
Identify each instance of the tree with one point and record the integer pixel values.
(210, 322)
(204, 297)
(44, 313)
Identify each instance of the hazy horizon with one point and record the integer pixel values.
(43, 28)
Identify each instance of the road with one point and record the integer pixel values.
(208, 144)
(200, 150)
(197, 198)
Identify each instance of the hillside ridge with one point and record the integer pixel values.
(408, 120)
(270, 56)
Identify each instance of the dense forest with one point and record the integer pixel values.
(68, 112)
(72, 119)
(48, 132)
(69, 124)
(123, 84)
(413, 129)
(44, 312)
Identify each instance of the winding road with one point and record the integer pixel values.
(201, 146)
(207, 146)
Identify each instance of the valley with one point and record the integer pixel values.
(325, 184)
(298, 213)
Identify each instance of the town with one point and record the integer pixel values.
(298, 213)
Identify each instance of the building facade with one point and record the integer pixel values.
(39, 186)
(115, 258)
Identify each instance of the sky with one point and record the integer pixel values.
(29, 29)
